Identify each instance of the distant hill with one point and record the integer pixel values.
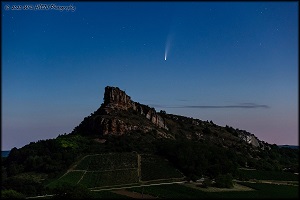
(193, 147)
(4, 153)
(289, 146)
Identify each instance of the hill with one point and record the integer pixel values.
(194, 147)
(120, 115)
(289, 146)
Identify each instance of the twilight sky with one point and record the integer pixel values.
(235, 63)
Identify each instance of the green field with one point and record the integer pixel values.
(114, 169)
(262, 190)
(71, 177)
(108, 161)
(268, 175)
(171, 191)
(109, 178)
(102, 170)
(108, 195)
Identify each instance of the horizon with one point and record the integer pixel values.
(233, 63)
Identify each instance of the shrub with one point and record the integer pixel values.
(206, 183)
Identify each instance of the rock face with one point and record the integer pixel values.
(250, 139)
(109, 119)
(117, 99)
(114, 98)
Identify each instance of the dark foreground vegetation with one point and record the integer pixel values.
(28, 171)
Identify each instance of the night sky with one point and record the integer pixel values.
(233, 63)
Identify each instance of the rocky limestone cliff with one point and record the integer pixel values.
(112, 116)
(114, 98)
(117, 99)
(251, 139)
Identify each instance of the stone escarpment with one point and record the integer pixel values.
(114, 98)
(251, 139)
(119, 115)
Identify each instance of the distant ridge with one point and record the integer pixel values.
(289, 146)
(4, 153)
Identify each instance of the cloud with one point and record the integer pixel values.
(182, 100)
(242, 105)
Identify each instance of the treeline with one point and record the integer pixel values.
(195, 159)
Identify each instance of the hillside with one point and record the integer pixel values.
(194, 147)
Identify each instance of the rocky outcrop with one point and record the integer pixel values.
(249, 138)
(114, 98)
(117, 99)
(113, 116)
(156, 119)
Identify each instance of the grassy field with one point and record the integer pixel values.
(108, 195)
(108, 161)
(114, 169)
(109, 178)
(171, 191)
(181, 191)
(71, 177)
(102, 170)
(268, 175)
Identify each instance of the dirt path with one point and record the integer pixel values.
(294, 183)
(82, 177)
(236, 187)
(134, 195)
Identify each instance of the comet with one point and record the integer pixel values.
(168, 44)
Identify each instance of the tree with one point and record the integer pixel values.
(12, 169)
(206, 183)
(162, 112)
